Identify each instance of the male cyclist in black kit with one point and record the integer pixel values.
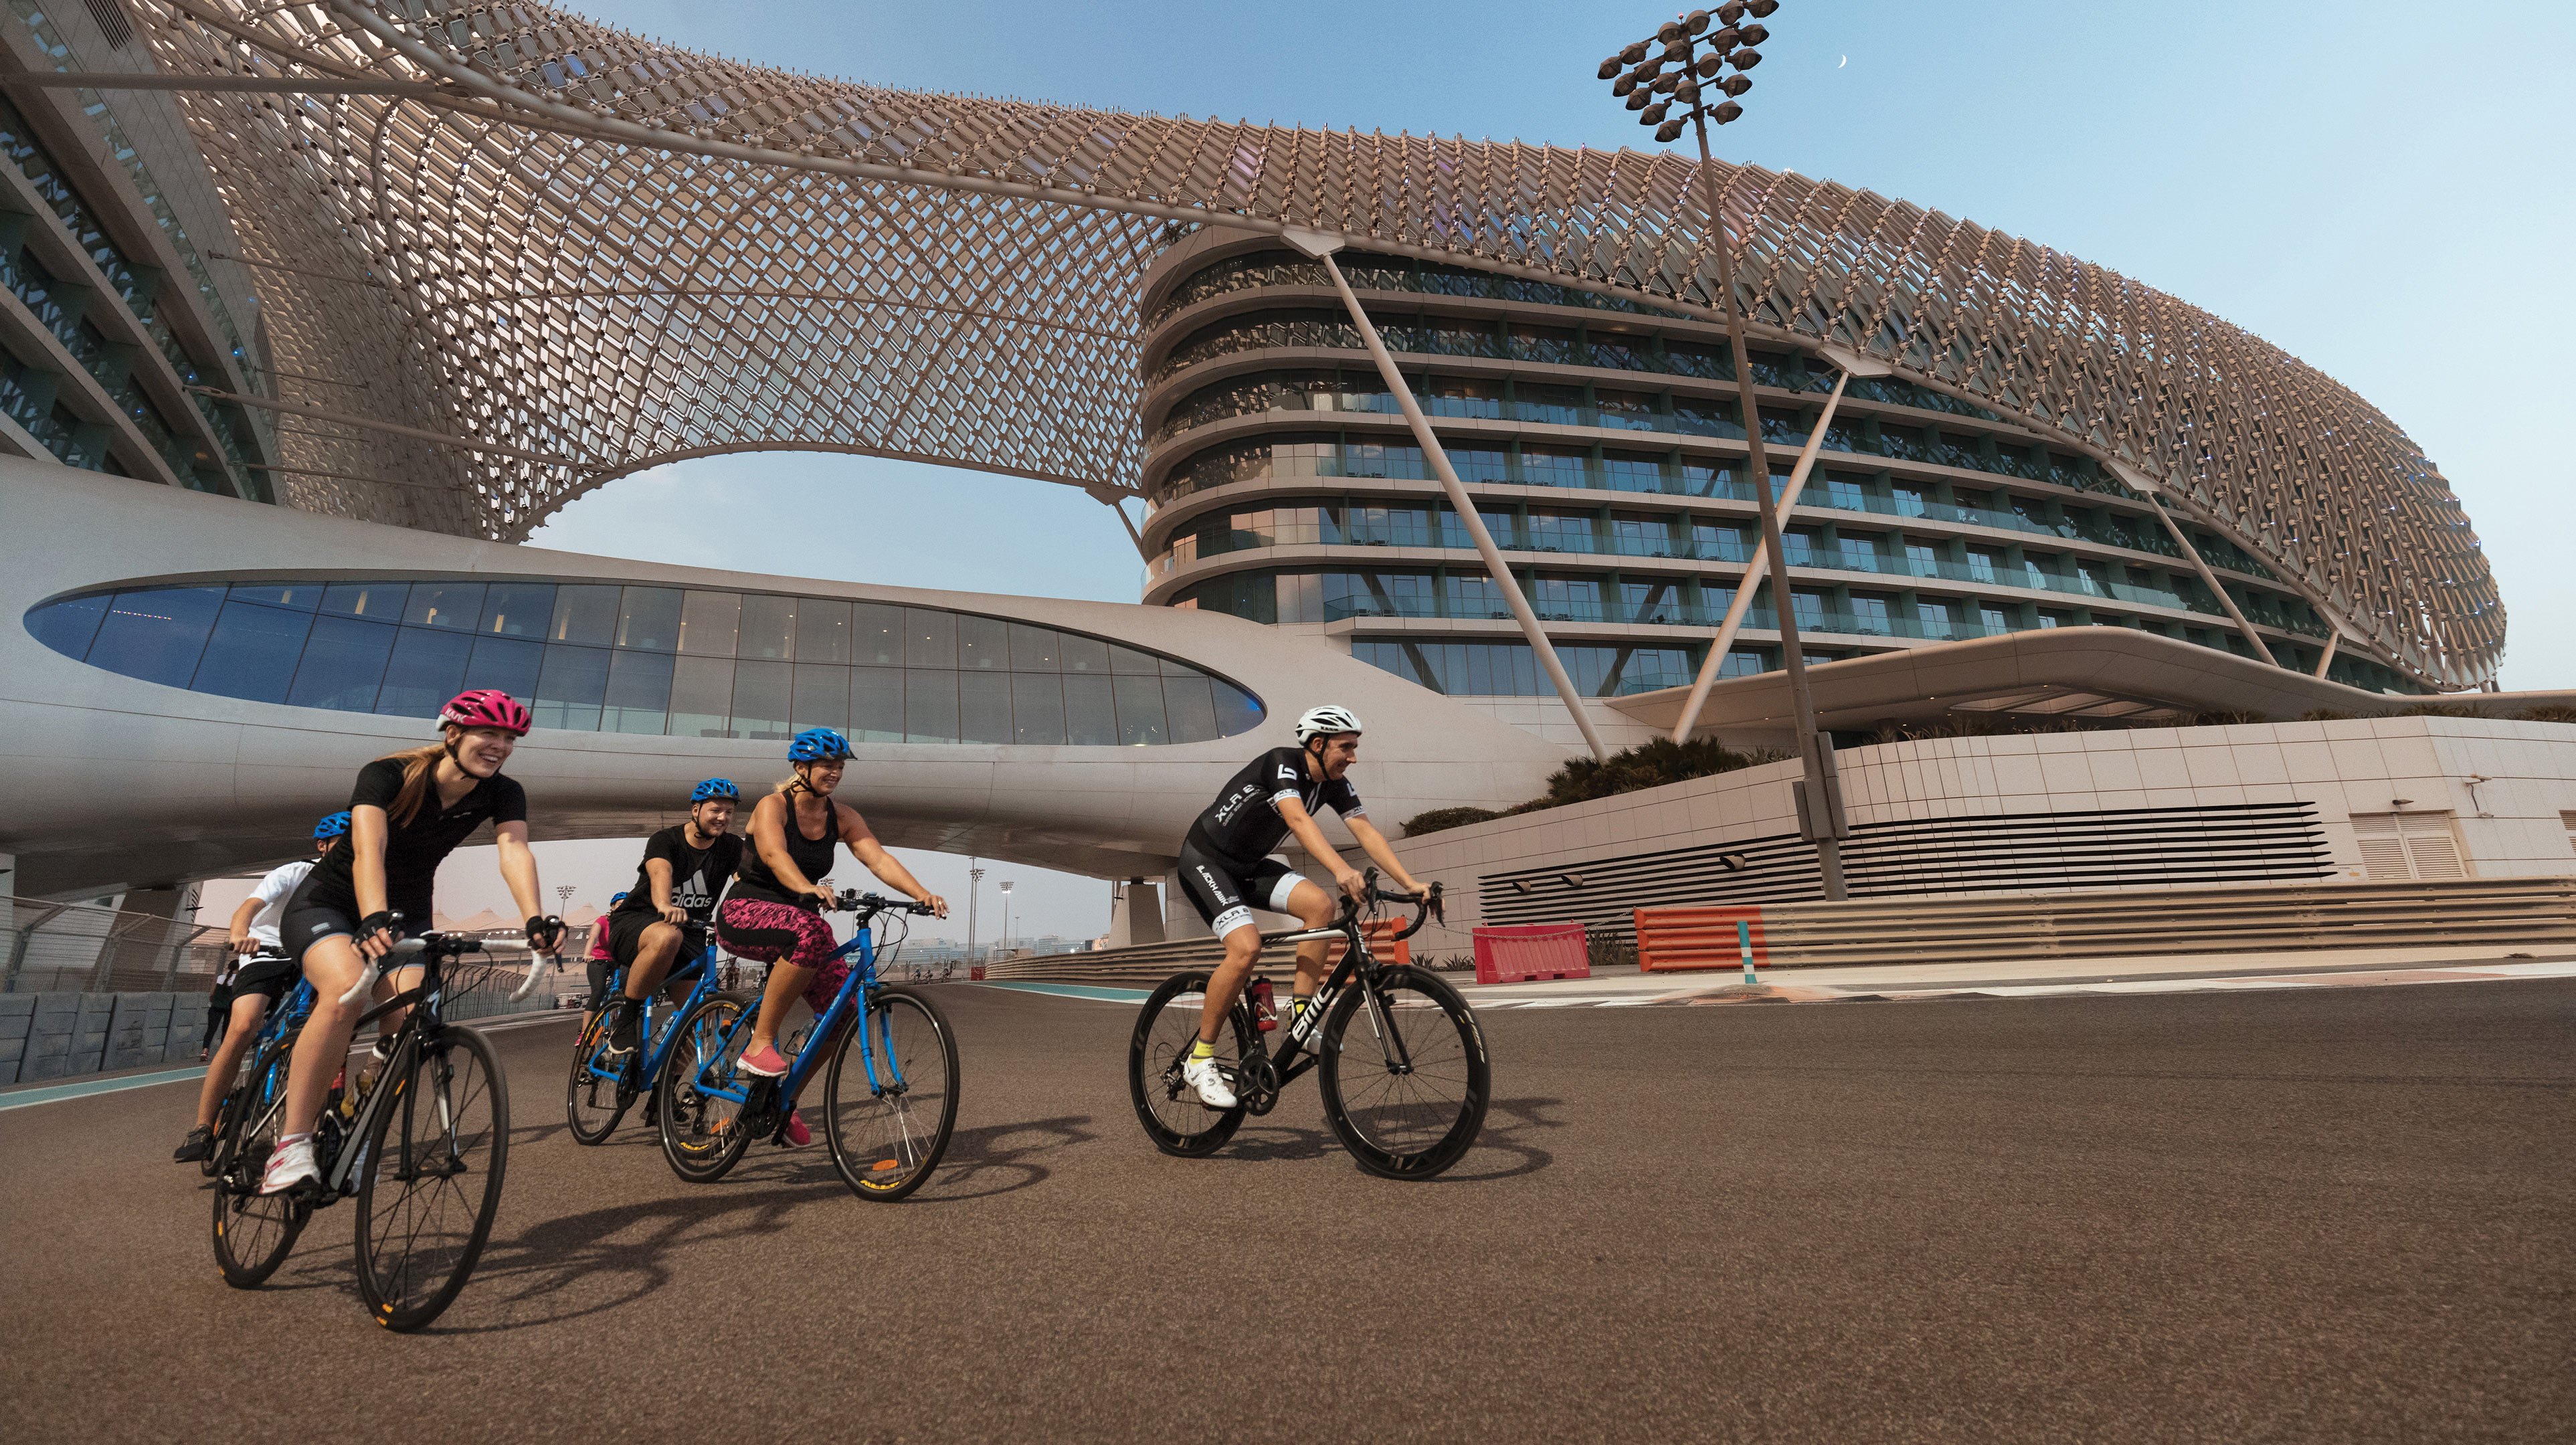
(685, 867)
(1226, 870)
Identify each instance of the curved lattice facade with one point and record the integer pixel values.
(599, 253)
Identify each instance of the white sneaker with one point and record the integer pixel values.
(1202, 1075)
(289, 1165)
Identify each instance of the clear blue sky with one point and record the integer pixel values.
(2388, 192)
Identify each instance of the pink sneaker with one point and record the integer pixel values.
(764, 1061)
(798, 1136)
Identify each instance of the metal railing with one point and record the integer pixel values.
(84, 948)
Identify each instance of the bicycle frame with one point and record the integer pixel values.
(649, 1067)
(861, 982)
(1357, 962)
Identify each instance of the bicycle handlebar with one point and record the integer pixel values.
(853, 901)
(1427, 904)
(450, 944)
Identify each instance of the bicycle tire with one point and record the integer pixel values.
(1153, 1052)
(253, 1233)
(451, 1108)
(219, 1148)
(590, 1120)
(1398, 1129)
(882, 1149)
(695, 1150)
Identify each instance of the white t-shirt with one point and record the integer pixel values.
(272, 893)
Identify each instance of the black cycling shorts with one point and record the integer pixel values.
(626, 934)
(1226, 896)
(307, 923)
(269, 975)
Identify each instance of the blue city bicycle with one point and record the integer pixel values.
(600, 1091)
(263, 1076)
(890, 1091)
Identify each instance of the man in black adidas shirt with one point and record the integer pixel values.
(1226, 869)
(685, 869)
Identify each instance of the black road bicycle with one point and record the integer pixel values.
(422, 1147)
(1405, 1076)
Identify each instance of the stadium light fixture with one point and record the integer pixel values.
(1680, 102)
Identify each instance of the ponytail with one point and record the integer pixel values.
(418, 764)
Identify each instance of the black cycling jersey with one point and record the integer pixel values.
(812, 857)
(413, 850)
(697, 874)
(1244, 825)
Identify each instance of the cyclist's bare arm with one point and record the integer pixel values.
(367, 836)
(862, 842)
(1310, 836)
(658, 871)
(237, 932)
(519, 871)
(1382, 853)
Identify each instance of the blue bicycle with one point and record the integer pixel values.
(890, 1090)
(263, 1077)
(600, 1091)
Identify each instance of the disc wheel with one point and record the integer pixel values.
(1405, 1112)
(1170, 1110)
(597, 1094)
(887, 1115)
(254, 1234)
(702, 1133)
(430, 1181)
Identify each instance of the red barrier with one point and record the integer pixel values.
(1679, 938)
(975, 974)
(1531, 950)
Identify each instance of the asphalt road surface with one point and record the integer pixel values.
(2335, 1215)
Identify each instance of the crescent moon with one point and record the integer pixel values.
(1846, 60)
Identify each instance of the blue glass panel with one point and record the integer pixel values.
(876, 704)
(1140, 710)
(447, 606)
(375, 601)
(156, 633)
(299, 595)
(929, 699)
(1191, 702)
(68, 625)
(1090, 718)
(984, 707)
(1237, 711)
(507, 663)
(584, 614)
(517, 609)
(253, 651)
(639, 692)
(1037, 705)
(649, 618)
(428, 668)
(344, 660)
(701, 697)
(571, 685)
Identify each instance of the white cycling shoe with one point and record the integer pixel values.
(288, 1166)
(1203, 1075)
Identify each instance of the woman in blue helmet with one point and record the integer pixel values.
(775, 914)
(259, 976)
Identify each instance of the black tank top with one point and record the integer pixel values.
(812, 856)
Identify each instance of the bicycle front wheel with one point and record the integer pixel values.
(597, 1093)
(430, 1181)
(1407, 1096)
(253, 1234)
(887, 1112)
(1169, 1109)
(701, 1127)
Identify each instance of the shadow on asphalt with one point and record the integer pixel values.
(1510, 1125)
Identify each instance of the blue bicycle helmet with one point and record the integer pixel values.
(815, 745)
(616, 898)
(722, 788)
(331, 826)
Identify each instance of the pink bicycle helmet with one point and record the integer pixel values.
(486, 708)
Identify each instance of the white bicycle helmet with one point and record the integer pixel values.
(1325, 721)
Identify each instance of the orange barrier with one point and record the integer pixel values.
(1680, 938)
(1531, 950)
(1384, 946)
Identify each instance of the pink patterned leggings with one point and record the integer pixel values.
(767, 932)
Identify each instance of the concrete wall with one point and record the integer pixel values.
(2512, 826)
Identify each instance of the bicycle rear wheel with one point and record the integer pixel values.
(1166, 1029)
(1408, 1112)
(593, 1104)
(254, 1234)
(430, 1181)
(888, 1131)
(702, 1133)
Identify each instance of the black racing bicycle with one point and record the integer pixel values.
(422, 1147)
(1404, 1072)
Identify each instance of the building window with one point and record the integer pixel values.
(603, 658)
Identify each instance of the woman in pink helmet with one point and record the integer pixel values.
(408, 811)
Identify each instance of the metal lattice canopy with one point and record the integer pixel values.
(607, 253)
